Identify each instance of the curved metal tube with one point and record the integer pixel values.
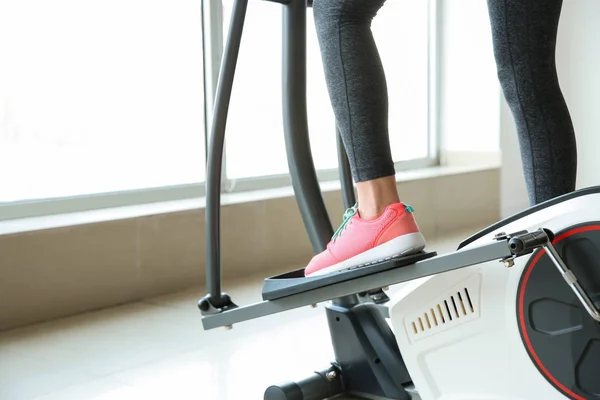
(295, 124)
(215, 155)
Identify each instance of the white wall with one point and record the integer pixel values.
(578, 63)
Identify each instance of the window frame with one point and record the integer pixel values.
(213, 44)
(90, 202)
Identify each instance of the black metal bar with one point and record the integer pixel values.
(215, 154)
(345, 173)
(295, 121)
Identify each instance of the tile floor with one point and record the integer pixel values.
(157, 349)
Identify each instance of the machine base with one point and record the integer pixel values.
(323, 384)
(524, 331)
(368, 362)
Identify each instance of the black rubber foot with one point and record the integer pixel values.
(286, 391)
(210, 305)
(320, 385)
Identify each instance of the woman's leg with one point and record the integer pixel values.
(381, 226)
(358, 92)
(524, 36)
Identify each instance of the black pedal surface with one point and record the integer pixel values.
(295, 282)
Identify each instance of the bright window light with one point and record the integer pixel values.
(401, 32)
(255, 144)
(99, 96)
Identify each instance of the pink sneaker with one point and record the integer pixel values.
(359, 242)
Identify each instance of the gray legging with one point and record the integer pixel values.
(524, 41)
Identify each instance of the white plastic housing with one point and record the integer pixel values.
(478, 353)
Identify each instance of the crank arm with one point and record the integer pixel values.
(571, 280)
(522, 243)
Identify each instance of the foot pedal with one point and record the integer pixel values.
(295, 282)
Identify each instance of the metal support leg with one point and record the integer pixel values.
(367, 353)
(214, 297)
(368, 362)
(295, 121)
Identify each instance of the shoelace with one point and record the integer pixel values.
(348, 214)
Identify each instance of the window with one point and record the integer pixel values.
(103, 103)
(402, 32)
(255, 112)
(99, 97)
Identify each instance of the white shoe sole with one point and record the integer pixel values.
(401, 246)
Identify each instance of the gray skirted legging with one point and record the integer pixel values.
(524, 41)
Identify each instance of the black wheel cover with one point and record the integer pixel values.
(562, 340)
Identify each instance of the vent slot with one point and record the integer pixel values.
(434, 317)
(469, 300)
(439, 307)
(454, 306)
(450, 309)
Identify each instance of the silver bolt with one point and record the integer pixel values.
(386, 288)
(331, 375)
(228, 327)
(313, 305)
(509, 263)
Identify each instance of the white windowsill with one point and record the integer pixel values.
(119, 213)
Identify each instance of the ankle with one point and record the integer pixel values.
(372, 211)
(375, 195)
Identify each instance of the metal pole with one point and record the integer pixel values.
(571, 280)
(345, 173)
(215, 154)
(295, 121)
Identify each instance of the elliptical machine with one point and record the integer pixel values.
(512, 314)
